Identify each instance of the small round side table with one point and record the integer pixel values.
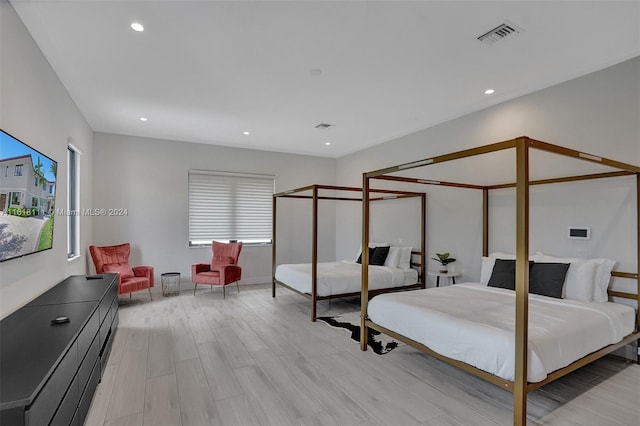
(170, 283)
(438, 274)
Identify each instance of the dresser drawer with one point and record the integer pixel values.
(85, 400)
(105, 331)
(105, 305)
(74, 420)
(45, 404)
(116, 320)
(114, 307)
(87, 364)
(106, 351)
(68, 406)
(87, 334)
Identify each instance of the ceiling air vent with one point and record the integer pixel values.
(324, 126)
(499, 33)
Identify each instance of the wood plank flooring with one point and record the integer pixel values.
(255, 360)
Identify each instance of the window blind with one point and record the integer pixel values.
(229, 206)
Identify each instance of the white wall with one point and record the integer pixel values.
(36, 108)
(148, 177)
(598, 113)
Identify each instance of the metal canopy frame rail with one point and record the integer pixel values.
(520, 387)
(315, 196)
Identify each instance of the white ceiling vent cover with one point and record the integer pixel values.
(500, 33)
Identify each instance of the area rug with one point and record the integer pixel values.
(380, 343)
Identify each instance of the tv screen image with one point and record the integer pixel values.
(27, 198)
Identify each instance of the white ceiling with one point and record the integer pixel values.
(205, 71)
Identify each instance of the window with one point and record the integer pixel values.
(15, 198)
(18, 171)
(34, 202)
(229, 206)
(35, 182)
(73, 185)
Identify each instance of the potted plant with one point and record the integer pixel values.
(444, 259)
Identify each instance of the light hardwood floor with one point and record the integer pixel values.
(255, 360)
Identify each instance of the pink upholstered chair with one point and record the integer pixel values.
(222, 270)
(110, 259)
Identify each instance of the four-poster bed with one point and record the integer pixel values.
(329, 280)
(519, 381)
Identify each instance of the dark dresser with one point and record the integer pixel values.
(49, 372)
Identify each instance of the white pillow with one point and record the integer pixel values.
(587, 283)
(405, 258)
(486, 269)
(393, 258)
(579, 283)
(603, 276)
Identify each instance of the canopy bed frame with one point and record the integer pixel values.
(522, 145)
(315, 196)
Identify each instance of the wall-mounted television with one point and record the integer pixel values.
(27, 199)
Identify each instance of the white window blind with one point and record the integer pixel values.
(229, 206)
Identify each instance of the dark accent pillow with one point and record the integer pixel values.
(370, 255)
(547, 279)
(503, 274)
(379, 256)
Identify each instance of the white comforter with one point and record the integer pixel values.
(341, 277)
(475, 324)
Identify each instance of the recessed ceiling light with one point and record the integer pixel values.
(144, 119)
(489, 92)
(327, 143)
(136, 26)
(246, 133)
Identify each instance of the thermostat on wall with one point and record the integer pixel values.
(579, 232)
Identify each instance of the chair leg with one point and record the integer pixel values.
(129, 295)
(238, 287)
(224, 295)
(150, 296)
(194, 288)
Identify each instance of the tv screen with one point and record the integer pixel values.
(27, 199)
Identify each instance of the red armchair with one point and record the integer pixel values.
(222, 270)
(110, 259)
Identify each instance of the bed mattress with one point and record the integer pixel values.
(343, 277)
(475, 324)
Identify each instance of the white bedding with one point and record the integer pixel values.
(343, 277)
(475, 324)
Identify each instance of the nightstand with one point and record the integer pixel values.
(438, 274)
